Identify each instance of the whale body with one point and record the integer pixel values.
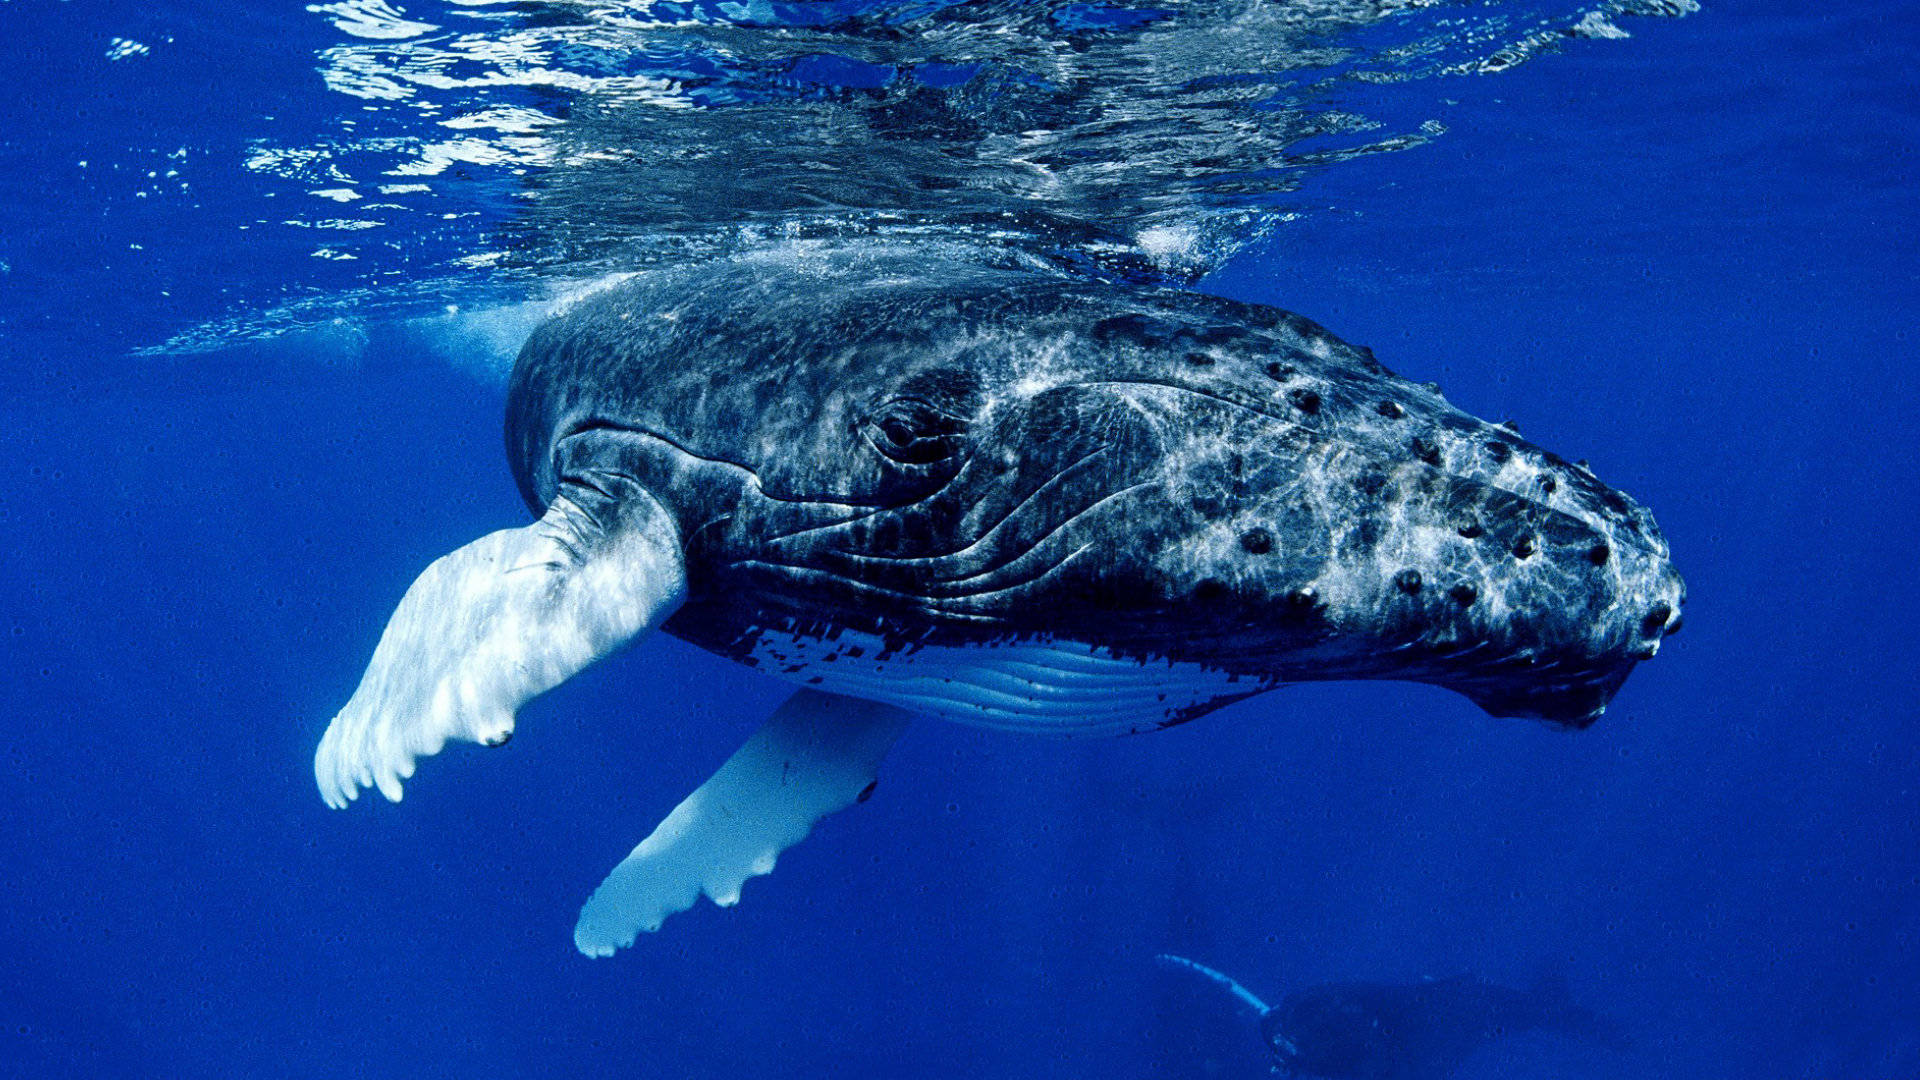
(1377, 1030)
(993, 492)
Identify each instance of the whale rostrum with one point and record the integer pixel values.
(993, 493)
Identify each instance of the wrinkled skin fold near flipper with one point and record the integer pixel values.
(816, 754)
(491, 626)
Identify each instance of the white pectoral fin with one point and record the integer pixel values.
(817, 754)
(490, 626)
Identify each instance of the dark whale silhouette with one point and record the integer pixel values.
(1402, 1031)
(919, 479)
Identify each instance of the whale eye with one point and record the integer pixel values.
(913, 432)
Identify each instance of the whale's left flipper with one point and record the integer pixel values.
(818, 753)
(490, 626)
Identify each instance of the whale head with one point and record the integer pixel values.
(967, 455)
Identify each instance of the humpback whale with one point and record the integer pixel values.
(989, 490)
(1401, 1031)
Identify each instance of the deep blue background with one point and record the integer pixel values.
(1688, 256)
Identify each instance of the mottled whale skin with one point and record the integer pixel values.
(872, 458)
(916, 483)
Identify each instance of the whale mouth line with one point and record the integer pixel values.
(749, 474)
(985, 536)
(981, 569)
(944, 605)
(996, 563)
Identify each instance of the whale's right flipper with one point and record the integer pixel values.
(1253, 1006)
(816, 754)
(487, 628)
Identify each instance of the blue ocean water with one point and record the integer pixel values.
(236, 424)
